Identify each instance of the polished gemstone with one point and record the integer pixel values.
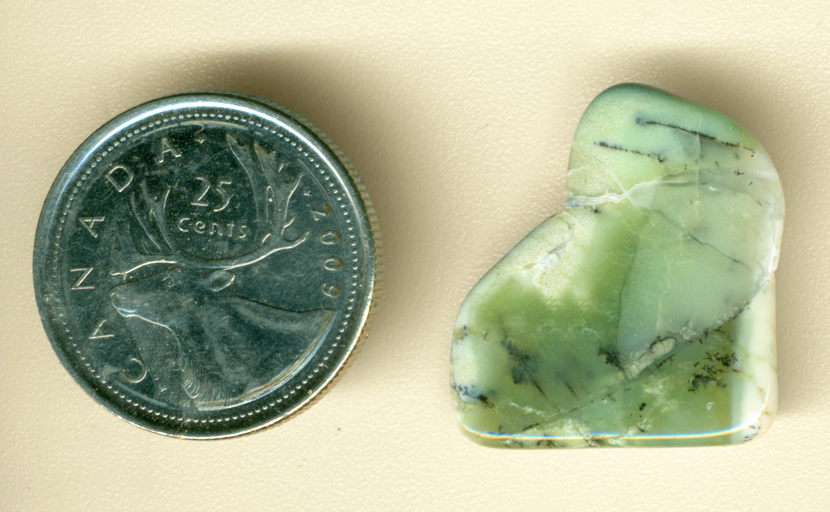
(644, 314)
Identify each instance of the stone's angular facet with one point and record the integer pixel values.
(644, 314)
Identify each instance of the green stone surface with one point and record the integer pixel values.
(644, 314)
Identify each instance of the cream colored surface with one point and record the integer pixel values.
(459, 119)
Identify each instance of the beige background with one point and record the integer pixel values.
(459, 119)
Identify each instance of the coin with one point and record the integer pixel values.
(206, 264)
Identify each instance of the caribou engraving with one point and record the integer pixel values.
(211, 347)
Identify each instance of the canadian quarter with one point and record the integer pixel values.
(206, 264)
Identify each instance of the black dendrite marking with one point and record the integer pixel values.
(712, 370)
(642, 121)
(524, 369)
(612, 356)
(607, 145)
(471, 391)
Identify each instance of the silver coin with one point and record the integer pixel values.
(206, 264)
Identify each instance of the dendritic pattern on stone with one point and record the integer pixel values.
(644, 314)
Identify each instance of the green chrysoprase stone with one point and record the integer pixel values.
(644, 314)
